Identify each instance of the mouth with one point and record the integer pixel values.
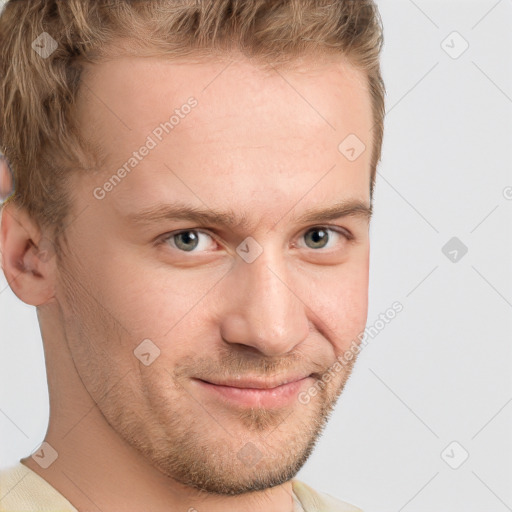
(256, 392)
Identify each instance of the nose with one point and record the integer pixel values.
(263, 308)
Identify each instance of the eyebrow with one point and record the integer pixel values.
(233, 220)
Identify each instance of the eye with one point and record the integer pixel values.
(319, 237)
(194, 240)
(188, 240)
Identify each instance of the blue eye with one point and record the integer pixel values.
(319, 237)
(188, 240)
(193, 240)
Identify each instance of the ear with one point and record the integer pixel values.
(28, 257)
(5, 178)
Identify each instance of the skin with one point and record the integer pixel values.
(5, 179)
(137, 437)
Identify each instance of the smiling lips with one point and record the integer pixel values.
(253, 392)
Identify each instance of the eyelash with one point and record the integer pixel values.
(337, 229)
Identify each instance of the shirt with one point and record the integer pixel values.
(23, 490)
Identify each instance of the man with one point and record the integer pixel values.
(193, 191)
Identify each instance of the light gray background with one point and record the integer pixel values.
(441, 370)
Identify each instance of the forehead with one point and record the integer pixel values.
(251, 129)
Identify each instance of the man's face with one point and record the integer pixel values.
(272, 299)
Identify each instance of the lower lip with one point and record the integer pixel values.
(252, 397)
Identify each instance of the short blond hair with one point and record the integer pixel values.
(39, 132)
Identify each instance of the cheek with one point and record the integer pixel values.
(152, 300)
(340, 301)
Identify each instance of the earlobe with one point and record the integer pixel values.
(27, 257)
